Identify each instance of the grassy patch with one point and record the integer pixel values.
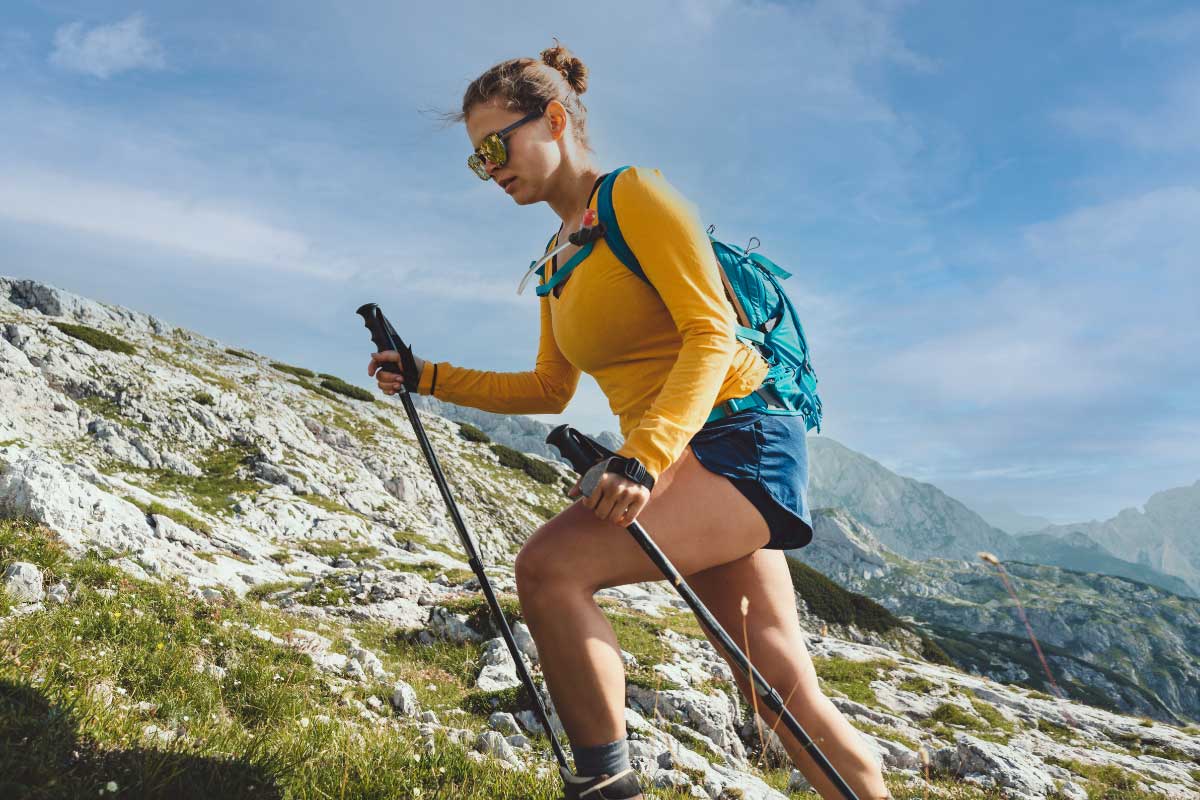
(430, 570)
(1105, 782)
(108, 408)
(96, 338)
(836, 605)
(538, 470)
(1055, 730)
(992, 716)
(326, 590)
(216, 489)
(182, 517)
(262, 590)
(249, 732)
(851, 678)
(316, 390)
(472, 434)
(884, 732)
(917, 684)
(203, 398)
(337, 548)
(299, 372)
(339, 386)
(328, 504)
(950, 714)
(239, 353)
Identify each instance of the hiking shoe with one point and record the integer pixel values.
(621, 786)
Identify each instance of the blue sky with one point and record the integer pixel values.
(992, 211)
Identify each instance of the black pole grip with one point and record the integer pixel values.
(582, 451)
(382, 333)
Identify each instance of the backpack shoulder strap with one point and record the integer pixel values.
(612, 231)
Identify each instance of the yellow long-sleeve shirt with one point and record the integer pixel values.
(663, 355)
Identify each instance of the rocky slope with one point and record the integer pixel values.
(1115, 642)
(177, 459)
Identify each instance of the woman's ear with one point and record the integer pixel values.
(556, 113)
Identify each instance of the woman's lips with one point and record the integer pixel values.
(508, 186)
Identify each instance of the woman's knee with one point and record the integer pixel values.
(539, 566)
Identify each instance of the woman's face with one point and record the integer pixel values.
(533, 148)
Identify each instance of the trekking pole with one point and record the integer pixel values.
(385, 338)
(584, 453)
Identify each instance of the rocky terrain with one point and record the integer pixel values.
(152, 473)
(1118, 643)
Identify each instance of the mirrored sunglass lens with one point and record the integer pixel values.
(477, 166)
(492, 148)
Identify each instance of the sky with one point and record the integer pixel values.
(991, 210)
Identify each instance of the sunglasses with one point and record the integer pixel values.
(493, 149)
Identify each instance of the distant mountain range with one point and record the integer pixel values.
(1111, 641)
(1164, 539)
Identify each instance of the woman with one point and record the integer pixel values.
(724, 497)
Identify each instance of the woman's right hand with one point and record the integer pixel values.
(390, 382)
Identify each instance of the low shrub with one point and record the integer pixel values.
(472, 434)
(203, 398)
(837, 605)
(96, 338)
(349, 390)
(538, 470)
(239, 354)
(299, 372)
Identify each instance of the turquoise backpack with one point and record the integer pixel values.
(766, 317)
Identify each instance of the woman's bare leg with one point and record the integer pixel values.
(778, 651)
(699, 519)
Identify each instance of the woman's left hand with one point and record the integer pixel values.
(615, 499)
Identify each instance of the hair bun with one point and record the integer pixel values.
(561, 59)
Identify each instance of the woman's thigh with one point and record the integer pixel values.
(697, 518)
(770, 631)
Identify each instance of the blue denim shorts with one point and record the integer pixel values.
(766, 457)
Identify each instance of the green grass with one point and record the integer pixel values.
(251, 733)
(430, 570)
(1055, 730)
(538, 470)
(338, 548)
(1106, 782)
(326, 590)
(316, 390)
(472, 434)
(339, 386)
(239, 353)
(185, 519)
(851, 678)
(328, 504)
(836, 605)
(950, 714)
(202, 398)
(299, 372)
(917, 684)
(96, 338)
(220, 484)
(108, 408)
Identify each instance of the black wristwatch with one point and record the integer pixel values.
(629, 467)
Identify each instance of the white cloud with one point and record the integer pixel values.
(1157, 230)
(1172, 124)
(105, 50)
(157, 218)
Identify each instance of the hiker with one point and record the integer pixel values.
(723, 494)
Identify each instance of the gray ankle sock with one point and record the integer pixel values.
(604, 759)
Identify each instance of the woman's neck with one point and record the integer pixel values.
(570, 202)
